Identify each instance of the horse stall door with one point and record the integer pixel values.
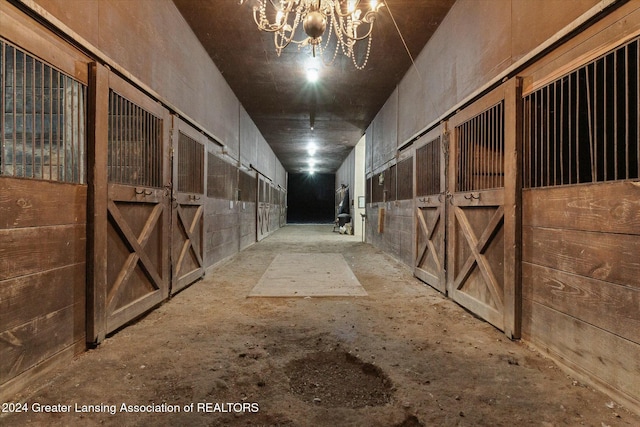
(283, 207)
(187, 214)
(430, 204)
(263, 212)
(138, 204)
(482, 225)
(275, 208)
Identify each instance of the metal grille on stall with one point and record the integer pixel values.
(583, 127)
(430, 209)
(482, 225)
(43, 120)
(187, 214)
(222, 179)
(138, 205)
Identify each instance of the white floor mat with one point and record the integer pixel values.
(308, 275)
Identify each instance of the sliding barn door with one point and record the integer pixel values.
(187, 216)
(264, 209)
(482, 222)
(430, 205)
(138, 204)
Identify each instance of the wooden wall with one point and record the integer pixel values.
(42, 275)
(384, 135)
(477, 40)
(395, 234)
(43, 221)
(166, 56)
(580, 280)
(390, 213)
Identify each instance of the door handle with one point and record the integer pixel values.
(449, 196)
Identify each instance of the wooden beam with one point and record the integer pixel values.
(512, 208)
(97, 141)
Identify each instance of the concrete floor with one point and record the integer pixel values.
(403, 355)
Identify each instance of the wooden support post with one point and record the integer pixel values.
(98, 112)
(513, 209)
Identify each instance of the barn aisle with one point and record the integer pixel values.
(401, 355)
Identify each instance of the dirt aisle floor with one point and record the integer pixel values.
(402, 356)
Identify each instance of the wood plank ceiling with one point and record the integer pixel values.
(274, 90)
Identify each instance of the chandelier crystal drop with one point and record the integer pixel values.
(351, 21)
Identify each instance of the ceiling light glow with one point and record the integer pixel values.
(311, 148)
(313, 74)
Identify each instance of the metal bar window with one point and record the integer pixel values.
(134, 153)
(428, 168)
(390, 184)
(590, 131)
(222, 179)
(247, 187)
(42, 121)
(480, 143)
(404, 180)
(190, 165)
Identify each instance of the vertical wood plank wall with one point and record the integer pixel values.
(581, 286)
(42, 274)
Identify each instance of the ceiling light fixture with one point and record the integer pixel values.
(350, 24)
(312, 75)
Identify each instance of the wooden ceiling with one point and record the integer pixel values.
(274, 90)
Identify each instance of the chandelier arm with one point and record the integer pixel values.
(261, 25)
(280, 42)
(359, 38)
(264, 24)
(338, 9)
(369, 18)
(346, 34)
(287, 41)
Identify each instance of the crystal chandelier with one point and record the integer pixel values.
(347, 21)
